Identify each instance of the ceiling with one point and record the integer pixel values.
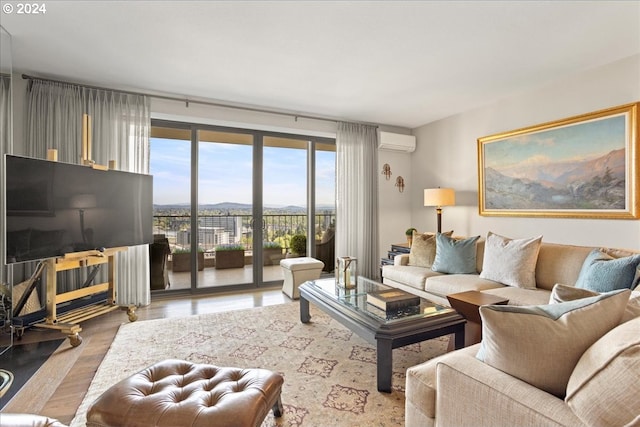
(386, 62)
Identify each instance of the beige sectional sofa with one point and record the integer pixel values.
(556, 263)
(459, 389)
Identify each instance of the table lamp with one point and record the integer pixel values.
(439, 197)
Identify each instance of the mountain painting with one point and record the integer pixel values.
(569, 166)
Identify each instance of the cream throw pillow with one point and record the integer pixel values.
(511, 262)
(564, 293)
(604, 387)
(542, 344)
(423, 249)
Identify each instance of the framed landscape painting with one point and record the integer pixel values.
(581, 167)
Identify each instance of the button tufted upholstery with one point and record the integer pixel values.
(181, 393)
(28, 420)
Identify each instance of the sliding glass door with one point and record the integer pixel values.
(231, 203)
(225, 208)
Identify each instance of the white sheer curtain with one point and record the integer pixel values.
(120, 132)
(357, 196)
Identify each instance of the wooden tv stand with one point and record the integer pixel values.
(68, 323)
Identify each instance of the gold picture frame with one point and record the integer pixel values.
(586, 166)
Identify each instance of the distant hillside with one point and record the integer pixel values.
(232, 206)
(592, 184)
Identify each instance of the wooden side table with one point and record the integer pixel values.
(468, 305)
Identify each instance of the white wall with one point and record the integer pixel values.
(446, 156)
(394, 211)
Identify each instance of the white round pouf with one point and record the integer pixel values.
(297, 271)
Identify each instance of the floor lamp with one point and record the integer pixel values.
(439, 197)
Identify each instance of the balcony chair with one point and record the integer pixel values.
(325, 250)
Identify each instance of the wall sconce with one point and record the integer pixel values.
(386, 170)
(400, 184)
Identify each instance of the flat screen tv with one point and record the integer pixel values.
(55, 208)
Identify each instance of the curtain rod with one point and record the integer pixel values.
(188, 101)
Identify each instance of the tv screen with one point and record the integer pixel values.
(55, 208)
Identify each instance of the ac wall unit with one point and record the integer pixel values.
(396, 142)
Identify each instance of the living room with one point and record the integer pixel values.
(564, 85)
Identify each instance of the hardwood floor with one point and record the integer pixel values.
(58, 388)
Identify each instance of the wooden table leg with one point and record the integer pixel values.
(384, 365)
(305, 317)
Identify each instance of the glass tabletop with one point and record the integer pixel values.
(356, 298)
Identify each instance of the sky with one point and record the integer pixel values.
(225, 174)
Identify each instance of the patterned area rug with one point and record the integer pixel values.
(329, 372)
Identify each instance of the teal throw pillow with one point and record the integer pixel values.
(455, 256)
(603, 273)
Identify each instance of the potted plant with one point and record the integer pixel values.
(271, 253)
(181, 260)
(299, 245)
(230, 256)
(409, 234)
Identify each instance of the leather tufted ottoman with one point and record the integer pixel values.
(180, 393)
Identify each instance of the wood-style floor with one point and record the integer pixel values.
(58, 388)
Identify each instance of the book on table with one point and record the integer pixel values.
(392, 299)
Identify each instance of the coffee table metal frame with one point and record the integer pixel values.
(349, 307)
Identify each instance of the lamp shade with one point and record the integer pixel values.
(439, 197)
(83, 201)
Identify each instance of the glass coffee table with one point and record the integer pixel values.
(384, 330)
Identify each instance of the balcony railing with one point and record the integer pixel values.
(223, 229)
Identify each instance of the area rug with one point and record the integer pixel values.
(329, 372)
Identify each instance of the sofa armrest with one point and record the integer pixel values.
(402, 259)
(472, 393)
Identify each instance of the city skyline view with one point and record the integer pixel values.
(226, 173)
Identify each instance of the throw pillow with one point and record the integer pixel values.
(603, 388)
(423, 249)
(633, 307)
(563, 293)
(511, 262)
(455, 256)
(542, 344)
(601, 272)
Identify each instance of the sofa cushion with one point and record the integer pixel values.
(409, 275)
(511, 261)
(559, 264)
(542, 344)
(608, 373)
(445, 284)
(519, 296)
(455, 256)
(602, 272)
